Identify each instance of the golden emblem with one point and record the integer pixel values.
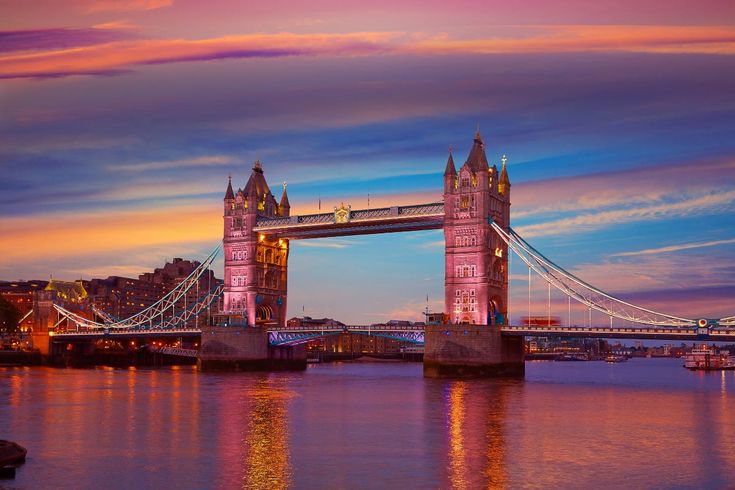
(342, 214)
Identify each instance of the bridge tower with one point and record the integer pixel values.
(476, 259)
(476, 275)
(255, 265)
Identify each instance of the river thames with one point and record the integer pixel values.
(642, 424)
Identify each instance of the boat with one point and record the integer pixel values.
(575, 356)
(11, 455)
(613, 358)
(706, 358)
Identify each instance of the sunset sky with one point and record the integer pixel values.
(120, 121)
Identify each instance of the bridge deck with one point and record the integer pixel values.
(720, 334)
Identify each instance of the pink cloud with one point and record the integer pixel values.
(96, 6)
(120, 56)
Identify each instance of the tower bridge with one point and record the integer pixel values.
(476, 338)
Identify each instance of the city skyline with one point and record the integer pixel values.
(120, 131)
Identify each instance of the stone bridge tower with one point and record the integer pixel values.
(476, 259)
(255, 266)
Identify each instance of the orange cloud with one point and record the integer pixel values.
(122, 55)
(53, 236)
(598, 38)
(115, 56)
(95, 6)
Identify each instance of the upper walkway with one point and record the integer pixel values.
(345, 221)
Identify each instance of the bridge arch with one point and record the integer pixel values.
(263, 314)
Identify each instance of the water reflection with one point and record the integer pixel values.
(476, 413)
(457, 455)
(266, 439)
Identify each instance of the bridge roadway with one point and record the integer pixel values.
(411, 332)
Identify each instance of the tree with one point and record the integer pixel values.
(9, 316)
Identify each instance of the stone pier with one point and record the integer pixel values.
(471, 351)
(246, 349)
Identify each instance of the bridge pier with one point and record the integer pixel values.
(246, 349)
(472, 351)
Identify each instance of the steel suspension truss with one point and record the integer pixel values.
(153, 316)
(584, 293)
(106, 317)
(276, 337)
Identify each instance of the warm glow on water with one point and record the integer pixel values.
(568, 425)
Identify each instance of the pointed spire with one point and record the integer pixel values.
(450, 170)
(477, 160)
(229, 194)
(504, 181)
(284, 198)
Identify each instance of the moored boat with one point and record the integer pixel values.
(706, 358)
(11, 453)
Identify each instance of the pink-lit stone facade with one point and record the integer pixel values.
(255, 266)
(476, 259)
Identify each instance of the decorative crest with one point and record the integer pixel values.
(342, 214)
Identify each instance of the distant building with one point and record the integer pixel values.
(20, 295)
(309, 322)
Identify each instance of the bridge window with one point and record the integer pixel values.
(465, 202)
(465, 182)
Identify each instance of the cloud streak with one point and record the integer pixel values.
(59, 38)
(202, 161)
(115, 57)
(710, 203)
(675, 248)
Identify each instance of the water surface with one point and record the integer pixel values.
(644, 423)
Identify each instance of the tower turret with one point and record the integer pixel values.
(450, 173)
(251, 187)
(504, 181)
(229, 195)
(284, 207)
